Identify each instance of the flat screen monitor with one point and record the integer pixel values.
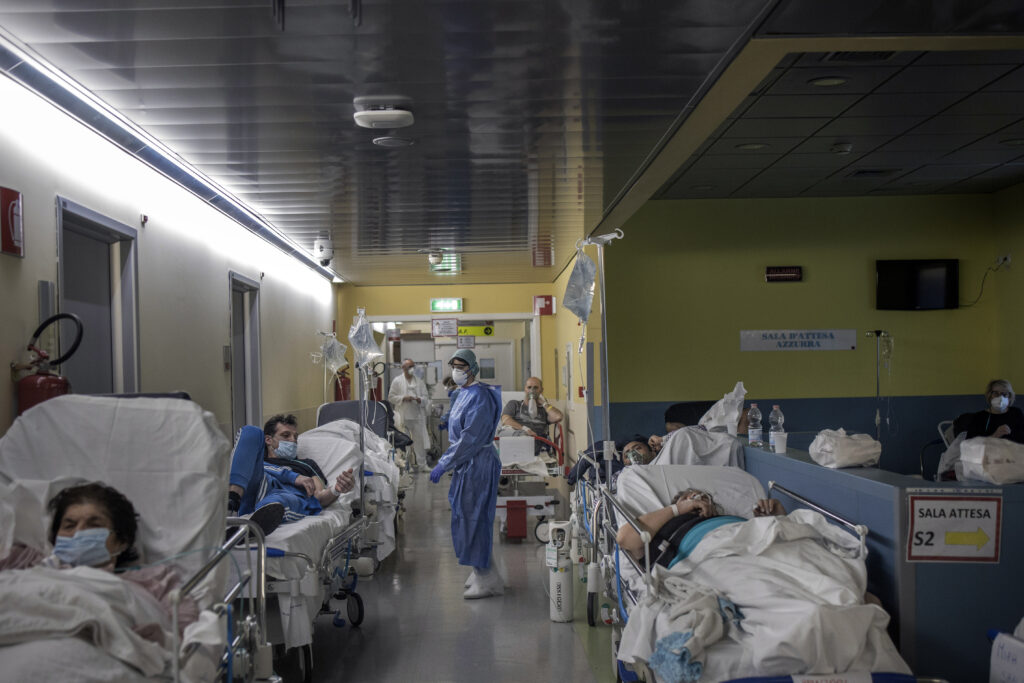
(917, 284)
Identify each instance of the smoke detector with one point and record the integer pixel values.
(382, 112)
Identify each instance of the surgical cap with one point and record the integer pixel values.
(469, 357)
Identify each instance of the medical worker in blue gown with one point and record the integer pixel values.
(477, 468)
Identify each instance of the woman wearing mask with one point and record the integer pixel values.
(1000, 419)
(472, 458)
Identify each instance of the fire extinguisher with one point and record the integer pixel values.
(43, 384)
(342, 386)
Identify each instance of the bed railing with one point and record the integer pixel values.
(858, 529)
(257, 597)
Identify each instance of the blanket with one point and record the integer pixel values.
(794, 586)
(694, 446)
(94, 605)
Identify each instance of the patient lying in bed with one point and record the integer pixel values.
(93, 530)
(677, 528)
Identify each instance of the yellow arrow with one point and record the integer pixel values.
(978, 538)
(476, 331)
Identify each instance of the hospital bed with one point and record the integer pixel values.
(311, 564)
(752, 599)
(169, 457)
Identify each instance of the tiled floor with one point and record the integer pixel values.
(419, 628)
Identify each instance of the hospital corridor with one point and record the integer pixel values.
(461, 341)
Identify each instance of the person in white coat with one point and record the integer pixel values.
(408, 395)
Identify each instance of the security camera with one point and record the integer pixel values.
(323, 250)
(435, 258)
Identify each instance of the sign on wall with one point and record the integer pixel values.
(476, 331)
(466, 342)
(798, 340)
(954, 528)
(12, 235)
(444, 327)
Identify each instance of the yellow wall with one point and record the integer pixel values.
(185, 253)
(689, 275)
(1009, 238)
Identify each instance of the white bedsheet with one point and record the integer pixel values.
(798, 581)
(694, 446)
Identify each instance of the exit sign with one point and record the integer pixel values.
(445, 305)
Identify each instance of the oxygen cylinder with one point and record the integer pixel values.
(560, 572)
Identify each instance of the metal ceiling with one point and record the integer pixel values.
(531, 118)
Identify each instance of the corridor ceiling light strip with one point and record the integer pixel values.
(69, 96)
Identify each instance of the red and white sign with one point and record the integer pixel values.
(954, 528)
(544, 305)
(12, 234)
(444, 327)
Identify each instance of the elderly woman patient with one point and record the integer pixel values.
(94, 525)
(676, 529)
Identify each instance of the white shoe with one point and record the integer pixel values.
(484, 586)
(469, 579)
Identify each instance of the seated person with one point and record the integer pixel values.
(270, 492)
(635, 451)
(1000, 419)
(533, 414)
(94, 525)
(677, 528)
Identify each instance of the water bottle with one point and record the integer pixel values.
(775, 420)
(754, 426)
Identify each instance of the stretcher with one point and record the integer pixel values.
(170, 459)
(521, 465)
(659, 614)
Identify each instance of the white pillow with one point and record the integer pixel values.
(644, 488)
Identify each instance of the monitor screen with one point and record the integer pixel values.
(917, 285)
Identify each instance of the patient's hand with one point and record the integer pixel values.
(1001, 430)
(768, 506)
(345, 482)
(655, 443)
(306, 484)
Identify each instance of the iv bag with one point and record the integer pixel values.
(360, 335)
(579, 293)
(333, 352)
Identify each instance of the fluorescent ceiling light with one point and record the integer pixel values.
(827, 81)
(64, 93)
(752, 145)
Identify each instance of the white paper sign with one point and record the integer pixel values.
(444, 327)
(1007, 663)
(954, 528)
(466, 342)
(798, 340)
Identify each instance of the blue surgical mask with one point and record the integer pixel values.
(87, 547)
(286, 449)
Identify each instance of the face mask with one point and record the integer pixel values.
(999, 403)
(407, 371)
(459, 376)
(634, 456)
(286, 449)
(87, 547)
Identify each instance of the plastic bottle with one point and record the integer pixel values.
(775, 420)
(754, 426)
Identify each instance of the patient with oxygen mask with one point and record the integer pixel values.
(676, 529)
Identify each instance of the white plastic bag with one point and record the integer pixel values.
(835, 448)
(997, 461)
(360, 335)
(725, 414)
(579, 291)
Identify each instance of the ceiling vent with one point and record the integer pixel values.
(382, 112)
(848, 57)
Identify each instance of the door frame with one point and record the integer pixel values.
(253, 358)
(124, 304)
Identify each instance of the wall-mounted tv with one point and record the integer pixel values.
(917, 284)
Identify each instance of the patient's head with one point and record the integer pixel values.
(636, 453)
(81, 515)
(281, 429)
(698, 494)
(677, 416)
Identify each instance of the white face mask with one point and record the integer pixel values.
(460, 376)
(999, 403)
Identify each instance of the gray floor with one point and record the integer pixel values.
(419, 628)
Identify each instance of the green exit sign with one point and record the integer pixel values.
(446, 305)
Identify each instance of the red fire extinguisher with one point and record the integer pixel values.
(43, 384)
(342, 386)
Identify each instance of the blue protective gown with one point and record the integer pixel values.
(473, 457)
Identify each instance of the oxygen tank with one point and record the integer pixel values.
(559, 565)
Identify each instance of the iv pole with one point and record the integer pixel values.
(878, 334)
(600, 241)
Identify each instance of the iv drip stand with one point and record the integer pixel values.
(600, 241)
(878, 334)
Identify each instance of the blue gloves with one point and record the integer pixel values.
(436, 474)
(443, 424)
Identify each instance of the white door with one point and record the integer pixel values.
(497, 363)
